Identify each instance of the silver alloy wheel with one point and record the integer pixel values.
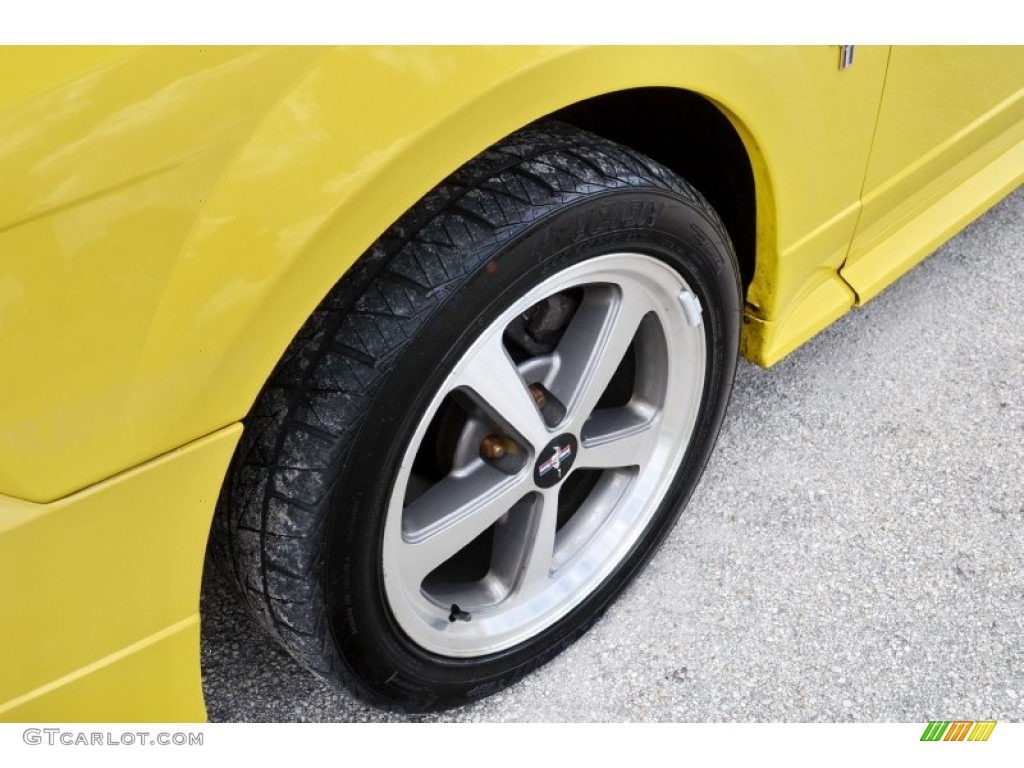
(542, 558)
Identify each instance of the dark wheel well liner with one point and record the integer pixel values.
(691, 136)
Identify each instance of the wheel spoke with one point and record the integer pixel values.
(540, 547)
(452, 513)
(593, 346)
(616, 438)
(492, 377)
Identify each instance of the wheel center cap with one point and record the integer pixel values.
(555, 461)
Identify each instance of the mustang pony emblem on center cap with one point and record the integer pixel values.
(555, 460)
(561, 453)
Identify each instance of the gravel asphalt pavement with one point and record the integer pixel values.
(855, 551)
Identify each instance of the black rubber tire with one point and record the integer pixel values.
(300, 519)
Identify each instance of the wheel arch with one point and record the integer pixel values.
(312, 189)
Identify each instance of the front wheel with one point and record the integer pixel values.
(488, 426)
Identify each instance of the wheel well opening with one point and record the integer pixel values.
(687, 133)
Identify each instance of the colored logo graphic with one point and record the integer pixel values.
(555, 461)
(559, 454)
(958, 730)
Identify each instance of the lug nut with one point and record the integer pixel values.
(492, 447)
(538, 395)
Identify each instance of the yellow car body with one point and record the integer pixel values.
(169, 217)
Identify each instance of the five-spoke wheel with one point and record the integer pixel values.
(534, 471)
